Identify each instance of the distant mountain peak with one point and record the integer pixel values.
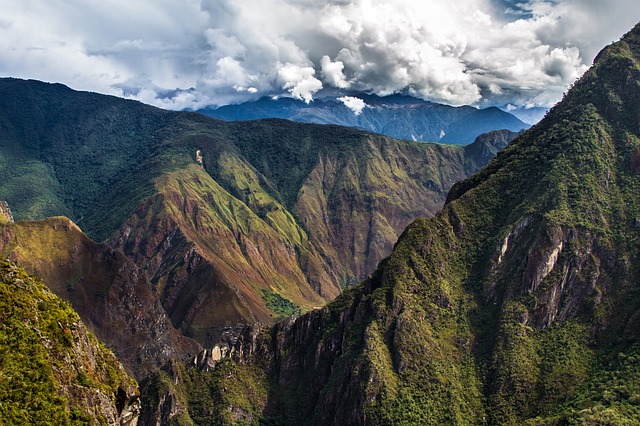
(399, 115)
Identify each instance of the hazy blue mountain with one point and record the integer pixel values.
(529, 115)
(398, 116)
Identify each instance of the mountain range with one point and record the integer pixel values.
(210, 225)
(398, 116)
(517, 302)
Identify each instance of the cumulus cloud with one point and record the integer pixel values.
(299, 81)
(190, 53)
(354, 104)
(332, 73)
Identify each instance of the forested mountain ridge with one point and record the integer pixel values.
(231, 223)
(518, 303)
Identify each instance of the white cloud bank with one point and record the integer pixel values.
(189, 53)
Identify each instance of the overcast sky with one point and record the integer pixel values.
(189, 53)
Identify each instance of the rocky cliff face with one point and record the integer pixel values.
(5, 212)
(53, 370)
(516, 304)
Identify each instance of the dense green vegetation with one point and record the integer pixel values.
(212, 399)
(43, 378)
(228, 395)
(280, 306)
(27, 384)
(63, 155)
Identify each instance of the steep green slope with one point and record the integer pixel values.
(518, 303)
(52, 371)
(258, 219)
(212, 257)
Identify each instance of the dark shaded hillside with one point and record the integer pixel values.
(108, 291)
(231, 223)
(397, 116)
(61, 148)
(518, 303)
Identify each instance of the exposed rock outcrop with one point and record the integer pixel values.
(5, 211)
